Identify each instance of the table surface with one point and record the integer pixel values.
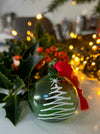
(84, 122)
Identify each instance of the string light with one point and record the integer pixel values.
(77, 59)
(28, 32)
(94, 36)
(82, 77)
(28, 38)
(98, 93)
(71, 47)
(93, 63)
(98, 41)
(73, 2)
(90, 43)
(85, 62)
(29, 23)
(94, 47)
(39, 16)
(73, 56)
(76, 112)
(14, 33)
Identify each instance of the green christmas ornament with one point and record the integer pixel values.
(53, 100)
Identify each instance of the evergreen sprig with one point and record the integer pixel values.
(56, 3)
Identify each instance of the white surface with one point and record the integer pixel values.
(87, 122)
(32, 7)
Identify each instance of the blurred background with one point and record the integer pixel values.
(69, 17)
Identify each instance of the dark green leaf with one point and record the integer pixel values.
(2, 96)
(38, 31)
(31, 50)
(19, 84)
(13, 108)
(6, 72)
(27, 66)
(5, 82)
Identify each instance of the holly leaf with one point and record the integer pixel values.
(6, 71)
(13, 108)
(5, 82)
(2, 96)
(19, 84)
(31, 50)
(27, 66)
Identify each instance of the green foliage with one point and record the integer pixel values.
(13, 108)
(56, 3)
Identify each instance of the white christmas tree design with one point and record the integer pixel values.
(59, 112)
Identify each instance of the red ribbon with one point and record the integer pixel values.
(65, 70)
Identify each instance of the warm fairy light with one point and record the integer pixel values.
(76, 112)
(28, 38)
(82, 58)
(72, 35)
(77, 68)
(28, 32)
(73, 56)
(77, 59)
(85, 62)
(82, 77)
(79, 37)
(93, 63)
(73, 2)
(82, 48)
(90, 43)
(98, 41)
(72, 62)
(14, 33)
(96, 127)
(39, 16)
(75, 36)
(32, 35)
(94, 36)
(98, 93)
(89, 97)
(29, 23)
(94, 47)
(71, 47)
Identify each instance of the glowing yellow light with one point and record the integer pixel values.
(90, 43)
(82, 58)
(73, 56)
(73, 2)
(77, 68)
(94, 36)
(94, 47)
(98, 93)
(89, 97)
(93, 63)
(77, 59)
(99, 82)
(82, 48)
(72, 35)
(28, 32)
(28, 38)
(29, 23)
(14, 33)
(32, 35)
(98, 41)
(82, 77)
(96, 127)
(75, 36)
(76, 112)
(71, 47)
(85, 62)
(79, 37)
(39, 16)
(72, 62)
(37, 76)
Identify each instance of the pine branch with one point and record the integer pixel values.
(55, 3)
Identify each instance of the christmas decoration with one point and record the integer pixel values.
(53, 100)
(26, 64)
